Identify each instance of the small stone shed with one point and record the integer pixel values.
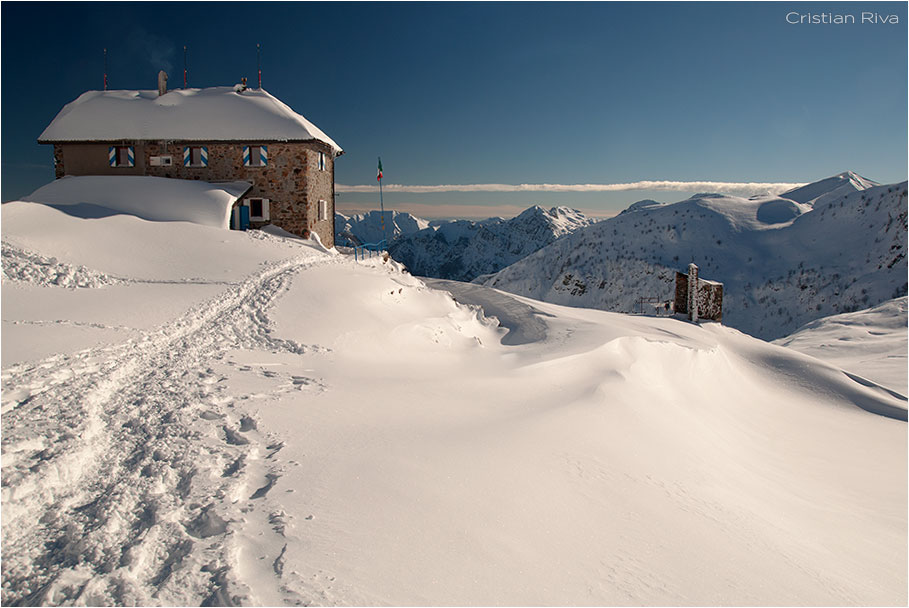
(698, 298)
(218, 134)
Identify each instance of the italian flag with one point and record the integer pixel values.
(379, 174)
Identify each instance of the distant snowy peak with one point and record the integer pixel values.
(560, 220)
(766, 211)
(819, 192)
(566, 219)
(643, 205)
(463, 249)
(830, 188)
(368, 227)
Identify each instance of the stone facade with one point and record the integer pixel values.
(292, 180)
(709, 298)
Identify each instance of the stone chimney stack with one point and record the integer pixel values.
(693, 292)
(162, 83)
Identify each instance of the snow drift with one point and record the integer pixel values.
(240, 418)
(151, 198)
(870, 343)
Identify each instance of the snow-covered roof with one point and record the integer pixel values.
(212, 114)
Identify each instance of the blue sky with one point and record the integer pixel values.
(500, 93)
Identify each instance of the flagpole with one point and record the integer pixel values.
(382, 208)
(381, 202)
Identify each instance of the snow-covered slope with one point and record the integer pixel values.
(464, 249)
(828, 189)
(240, 419)
(841, 246)
(367, 227)
(871, 343)
(151, 198)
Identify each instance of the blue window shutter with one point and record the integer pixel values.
(112, 156)
(263, 154)
(187, 154)
(204, 156)
(131, 156)
(246, 156)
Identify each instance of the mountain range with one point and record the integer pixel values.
(368, 227)
(461, 250)
(832, 246)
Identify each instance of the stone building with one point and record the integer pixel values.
(698, 298)
(214, 134)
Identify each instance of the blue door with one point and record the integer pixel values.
(244, 217)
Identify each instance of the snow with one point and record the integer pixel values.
(204, 115)
(169, 251)
(368, 227)
(783, 263)
(830, 188)
(643, 205)
(871, 343)
(463, 249)
(521, 320)
(151, 198)
(242, 418)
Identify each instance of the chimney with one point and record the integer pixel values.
(162, 83)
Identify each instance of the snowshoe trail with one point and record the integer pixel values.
(124, 494)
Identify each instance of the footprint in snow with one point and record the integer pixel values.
(235, 438)
(247, 423)
(271, 478)
(208, 523)
(234, 467)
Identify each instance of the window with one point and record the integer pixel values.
(321, 161)
(258, 209)
(195, 156)
(255, 156)
(121, 156)
(323, 210)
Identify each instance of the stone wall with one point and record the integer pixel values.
(291, 181)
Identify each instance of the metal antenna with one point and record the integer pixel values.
(105, 69)
(184, 66)
(259, 64)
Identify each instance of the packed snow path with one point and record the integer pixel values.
(123, 493)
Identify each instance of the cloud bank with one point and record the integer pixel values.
(742, 188)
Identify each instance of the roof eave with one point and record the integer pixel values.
(44, 140)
